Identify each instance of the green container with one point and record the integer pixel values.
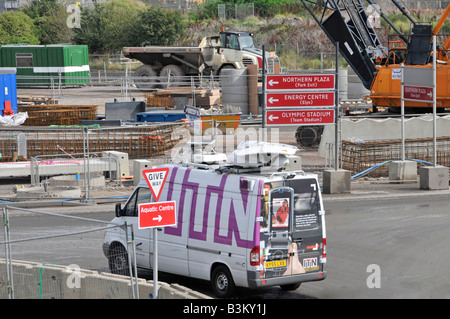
(55, 64)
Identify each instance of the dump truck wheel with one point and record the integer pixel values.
(308, 136)
(146, 77)
(171, 75)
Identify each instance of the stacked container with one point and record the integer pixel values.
(63, 64)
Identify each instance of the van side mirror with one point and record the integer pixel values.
(118, 210)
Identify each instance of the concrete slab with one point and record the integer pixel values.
(434, 178)
(403, 171)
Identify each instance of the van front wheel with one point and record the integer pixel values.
(118, 261)
(222, 283)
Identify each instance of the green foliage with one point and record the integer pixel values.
(37, 9)
(109, 27)
(147, 28)
(17, 27)
(105, 27)
(263, 8)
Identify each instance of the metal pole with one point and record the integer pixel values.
(402, 106)
(136, 284)
(88, 176)
(336, 102)
(155, 263)
(9, 269)
(127, 236)
(84, 199)
(434, 101)
(263, 91)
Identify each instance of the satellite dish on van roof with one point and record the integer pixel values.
(258, 154)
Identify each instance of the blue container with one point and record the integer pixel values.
(8, 94)
(164, 116)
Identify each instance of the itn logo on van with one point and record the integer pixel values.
(156, 178)
(310, 263)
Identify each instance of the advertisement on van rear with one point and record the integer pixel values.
(291, 234)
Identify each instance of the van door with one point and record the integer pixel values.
(306, 226)
(142, 238)
(172, 240)
(291, 231)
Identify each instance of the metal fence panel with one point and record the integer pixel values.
(66, 262)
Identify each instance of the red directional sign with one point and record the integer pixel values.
(300, 82)
(418, 93)
(156, 178)
(300, 99)
(157, 214)
(300, 117)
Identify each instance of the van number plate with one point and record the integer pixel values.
(275, 263)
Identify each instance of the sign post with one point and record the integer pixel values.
(301, 99)
(156, 214)
(419, 85)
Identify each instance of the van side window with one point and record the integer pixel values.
(142, 195)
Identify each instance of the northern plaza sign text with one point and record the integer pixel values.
(300, 82)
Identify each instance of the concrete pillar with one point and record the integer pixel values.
(235, 88)
(433, 178)
(336, 181)
(138, 166)
(403, 171)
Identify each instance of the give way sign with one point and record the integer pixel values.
(156, 178)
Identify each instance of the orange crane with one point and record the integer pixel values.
(385, 90)
(345, 22)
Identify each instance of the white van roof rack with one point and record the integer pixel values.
(288, 174)
(197, 165)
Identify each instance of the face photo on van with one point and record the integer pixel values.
(280, 218)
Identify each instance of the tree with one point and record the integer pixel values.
(106, 27)
(17, 27)
(157, 26)
(50, 20)
(40, 8)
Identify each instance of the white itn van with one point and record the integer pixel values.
(233, 229)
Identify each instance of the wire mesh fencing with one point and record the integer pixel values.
(359, 156)
(60, 256)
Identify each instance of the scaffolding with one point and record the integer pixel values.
(141, 141)
(51, 114)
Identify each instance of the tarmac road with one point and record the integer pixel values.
(383, 241)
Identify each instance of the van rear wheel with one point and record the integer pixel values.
(222, 283)
(290, 287)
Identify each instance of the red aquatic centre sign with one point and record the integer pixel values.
(300, 82)
(300, 99)
(157, 214)
(300, 117)
(418, 93)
